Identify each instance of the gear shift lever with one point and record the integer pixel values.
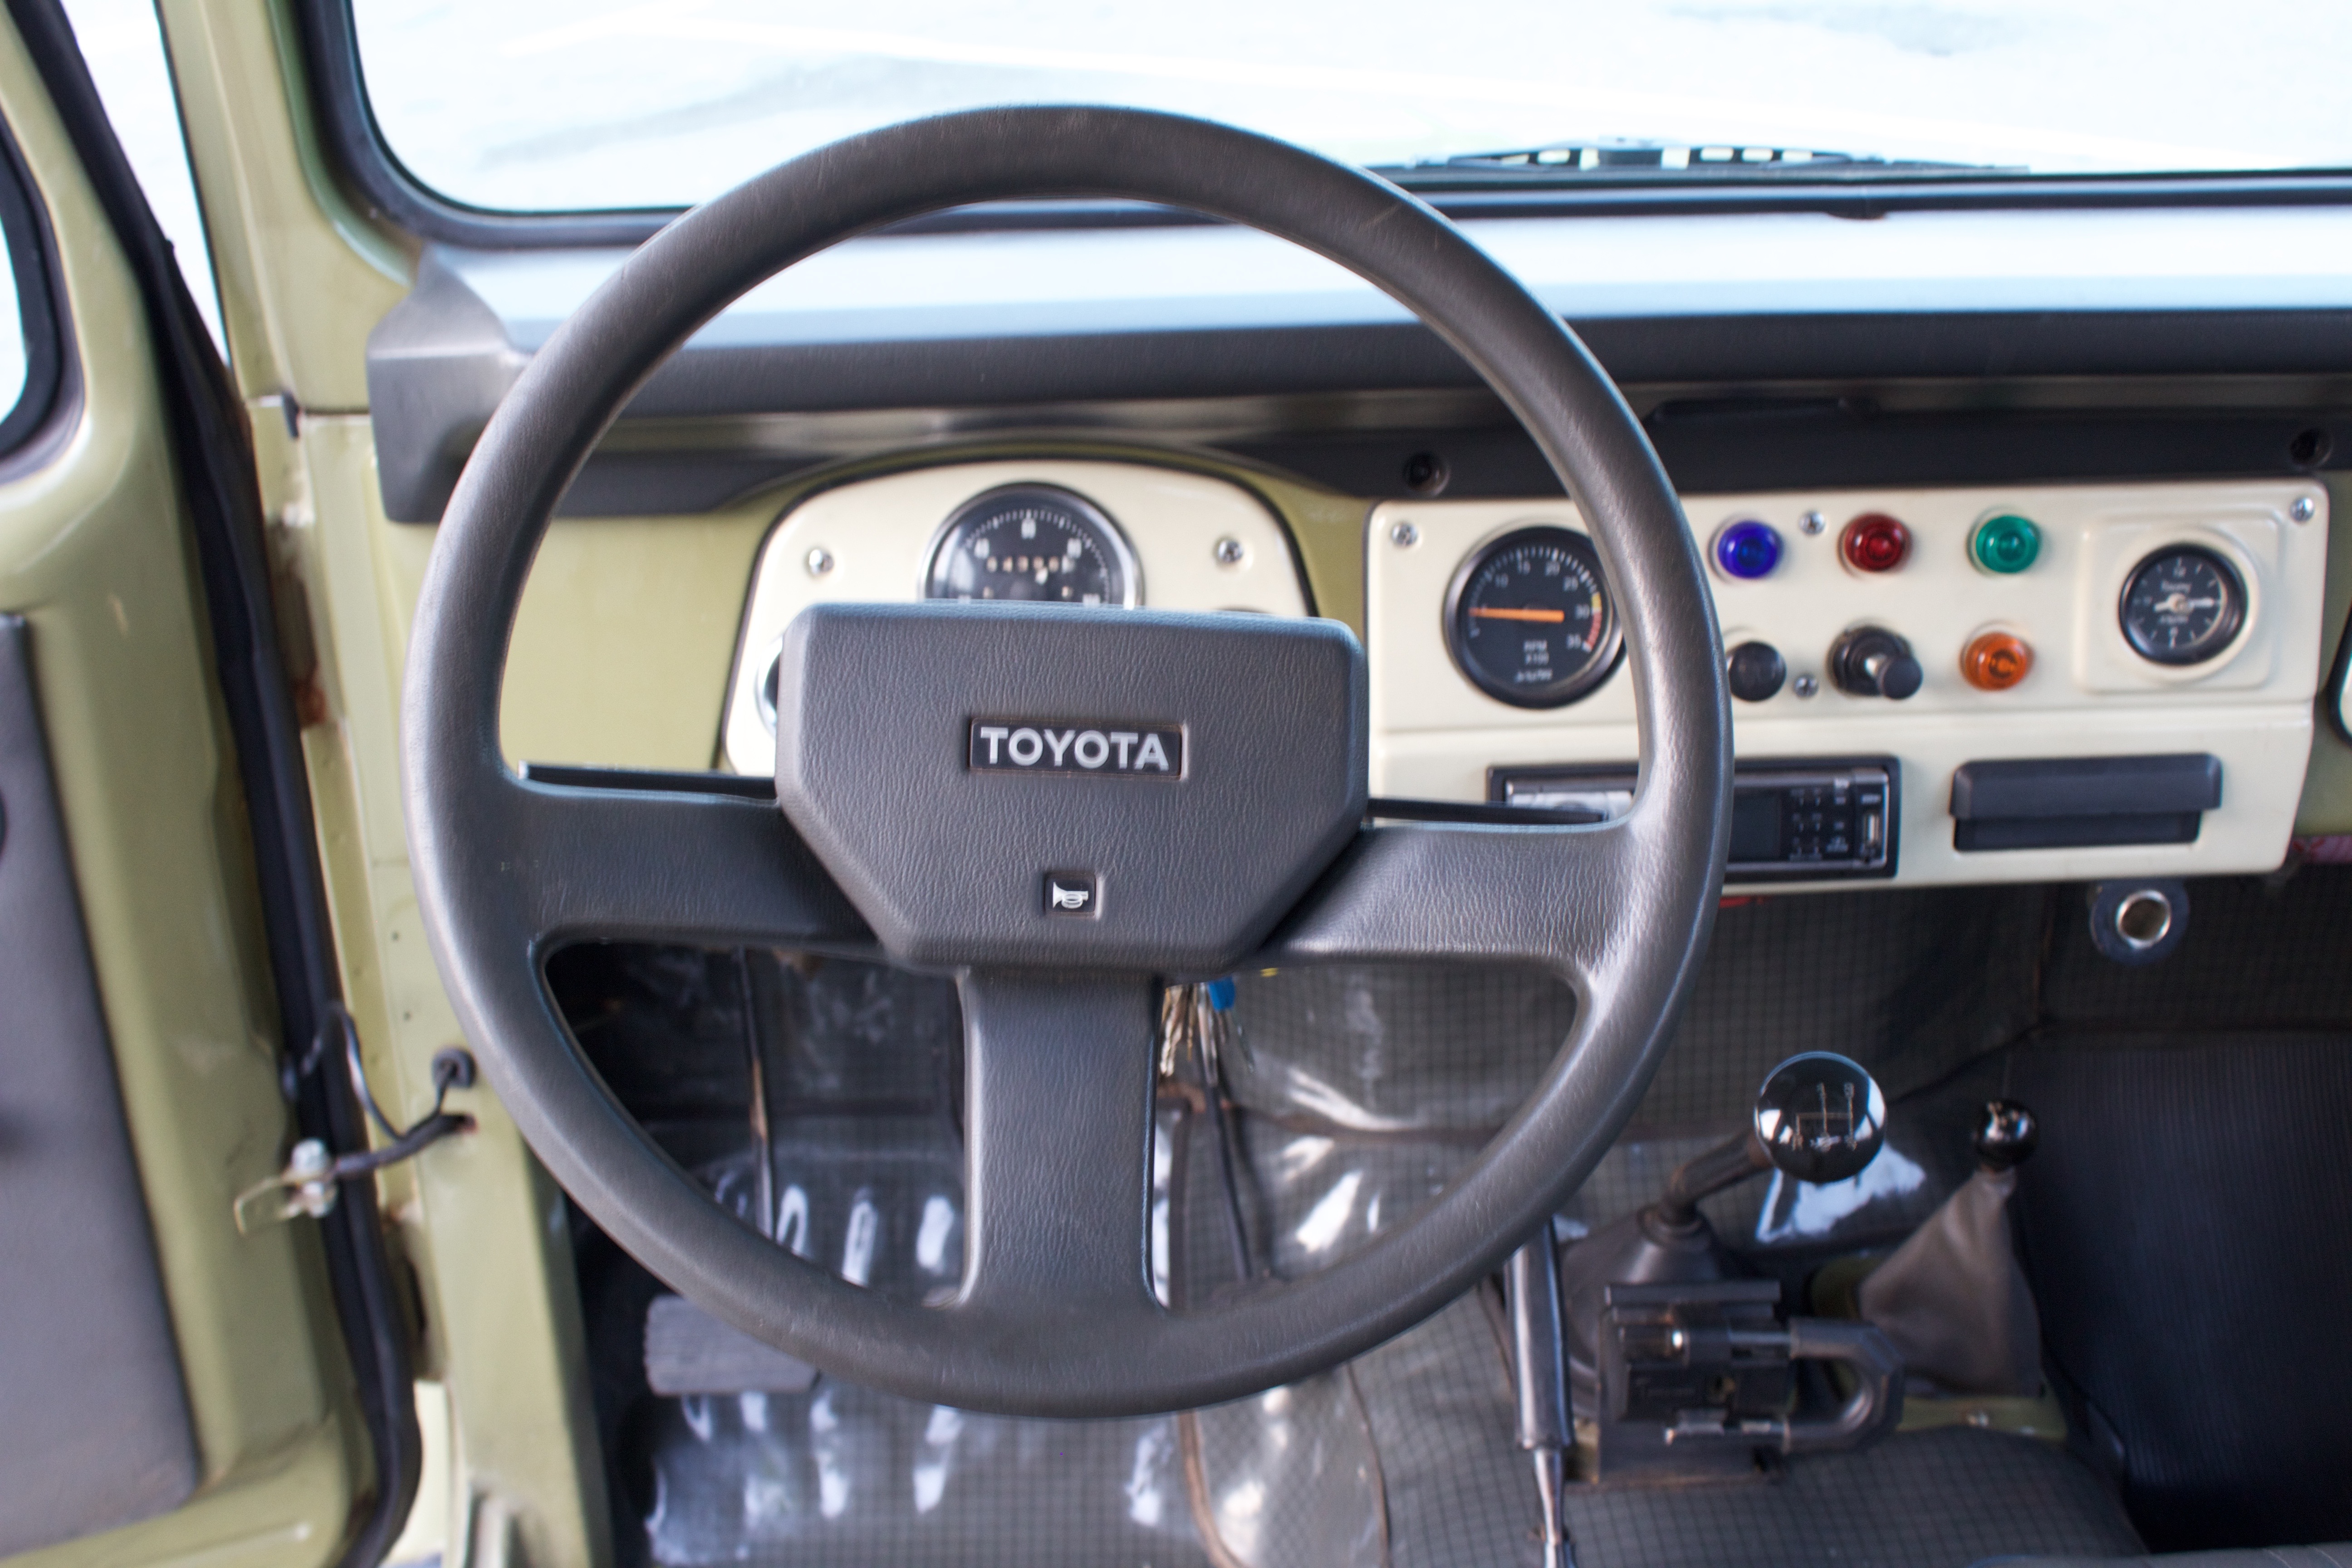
(1818, 1117)
(1952, 1298)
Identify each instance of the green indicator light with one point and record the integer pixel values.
(2006, 543)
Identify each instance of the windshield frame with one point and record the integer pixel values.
(357, 151)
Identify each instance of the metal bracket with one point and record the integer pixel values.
(1696, 1380)
(310, 1182)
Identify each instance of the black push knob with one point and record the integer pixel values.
(1871, 661)
(2007, 1136)
(1821, 1117)
(1755, 671)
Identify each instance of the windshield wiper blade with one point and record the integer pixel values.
(1622, 159)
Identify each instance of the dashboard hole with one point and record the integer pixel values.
(2142, 918)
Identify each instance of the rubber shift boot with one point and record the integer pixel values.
(1953, 1301)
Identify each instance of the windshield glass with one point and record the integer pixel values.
(554, 105)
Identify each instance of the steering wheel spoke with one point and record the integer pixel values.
(1566, 897)
(707, 869)
(1057, 1138)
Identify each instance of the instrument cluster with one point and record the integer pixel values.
(1923, 631)
(1091, 535)
(2132, 668)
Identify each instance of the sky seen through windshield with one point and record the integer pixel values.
(554, 105)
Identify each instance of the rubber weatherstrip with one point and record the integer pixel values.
(39, 304)
(213, 450)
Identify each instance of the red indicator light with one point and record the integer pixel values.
(1875, 542)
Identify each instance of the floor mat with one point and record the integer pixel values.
(1461, 1496)
(1920, 1500)
(2184, 1227)
(843, 1476)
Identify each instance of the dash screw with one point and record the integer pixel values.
(1805, 686)
(819, 562)
(1230, 551)
(1404, 536)
(1813, 522)
(2302, 509)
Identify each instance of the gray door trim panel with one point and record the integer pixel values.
(94, 1429)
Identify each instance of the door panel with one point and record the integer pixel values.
(87, 1356)
(98, 559)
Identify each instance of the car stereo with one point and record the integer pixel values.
(1801, 820)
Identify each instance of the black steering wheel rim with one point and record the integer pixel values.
(507, 870)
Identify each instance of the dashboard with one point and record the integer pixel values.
(1940, 685)
(2018, 521)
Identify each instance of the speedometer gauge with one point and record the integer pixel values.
(1529, 621)
(2182, 605)
(1033, 543)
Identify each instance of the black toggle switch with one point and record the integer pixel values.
(1755, 671)
(1871, 661)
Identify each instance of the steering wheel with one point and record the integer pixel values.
(895, 833)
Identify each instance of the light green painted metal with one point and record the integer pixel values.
(485, 1231)
(303, 276)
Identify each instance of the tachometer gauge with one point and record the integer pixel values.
(1033, 543)
(2183, 604)
(1529, 618)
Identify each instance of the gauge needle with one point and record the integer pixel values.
(1484, 614)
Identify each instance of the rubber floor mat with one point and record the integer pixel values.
(1943, 1499)
(2185, 1226)
(1460, 1495)
(845, 1478)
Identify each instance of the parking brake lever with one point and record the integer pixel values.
(1540, 1377)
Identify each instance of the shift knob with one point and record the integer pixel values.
(1871, 661)
(1820, 1117)
(2008, 1135)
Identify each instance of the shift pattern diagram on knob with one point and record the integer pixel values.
(1821, 1118)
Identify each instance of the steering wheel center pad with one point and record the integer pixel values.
(1179, 779)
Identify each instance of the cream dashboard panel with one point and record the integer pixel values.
(2088, 693)
(1199, 544)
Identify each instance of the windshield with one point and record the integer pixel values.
(554, 105)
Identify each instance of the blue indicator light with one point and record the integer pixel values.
(1747, 549)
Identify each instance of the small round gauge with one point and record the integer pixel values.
(2183, 604)
(1032, 544)
(1529, 618)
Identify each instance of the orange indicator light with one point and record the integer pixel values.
(1995, 661)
